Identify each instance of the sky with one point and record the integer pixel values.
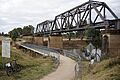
(19, 13)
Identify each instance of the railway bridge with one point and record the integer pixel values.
(91, 14)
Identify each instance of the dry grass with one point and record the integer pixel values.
(108, 69)
(33, 68)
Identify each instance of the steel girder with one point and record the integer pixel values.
(89, 14)
(44, 27)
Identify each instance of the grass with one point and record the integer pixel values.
(108, 69)
(33, 68)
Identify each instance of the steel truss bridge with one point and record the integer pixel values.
(92, 14)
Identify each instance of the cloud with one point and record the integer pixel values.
(18, 13)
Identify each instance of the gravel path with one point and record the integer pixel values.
(65, 70)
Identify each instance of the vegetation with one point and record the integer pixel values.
(94, 36)
(14, 34)
(79, 34)
(18, 32)
(4, 34)
(108, 69)
(28, 30)
(33, 68)
(70, 35)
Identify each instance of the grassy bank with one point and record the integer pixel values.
(108, 69)
(33, 68)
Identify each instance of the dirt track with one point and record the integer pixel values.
(65, 70)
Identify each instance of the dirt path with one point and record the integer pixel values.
(65, 70)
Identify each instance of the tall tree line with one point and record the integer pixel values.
(18, 32)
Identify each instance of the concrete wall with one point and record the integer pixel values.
(113, 52)
(113, 42)
(114, 45)
(74, 44)
(55, 41)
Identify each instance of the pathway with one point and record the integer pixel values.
(65, 71)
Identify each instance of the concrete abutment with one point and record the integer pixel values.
(55, 41)
(111, 42)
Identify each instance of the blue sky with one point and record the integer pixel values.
(18, 13)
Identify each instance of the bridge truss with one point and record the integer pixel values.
(93, 14)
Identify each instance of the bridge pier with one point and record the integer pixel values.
(111, 42)
(28, 38)
(38, 40)
(55, 41)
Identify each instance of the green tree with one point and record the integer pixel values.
(93, 36)
(14, 34)
(19, 31)
(79, 34)
(70, 35)
(27, 30)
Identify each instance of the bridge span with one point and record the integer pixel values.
(91, 14)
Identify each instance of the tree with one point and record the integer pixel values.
(2, 34)
(27, 30)
(70, 35)
(93, 36)
(14, 34)
(19, 31)
(79, 34)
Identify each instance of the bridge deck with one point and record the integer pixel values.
(41, 50)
